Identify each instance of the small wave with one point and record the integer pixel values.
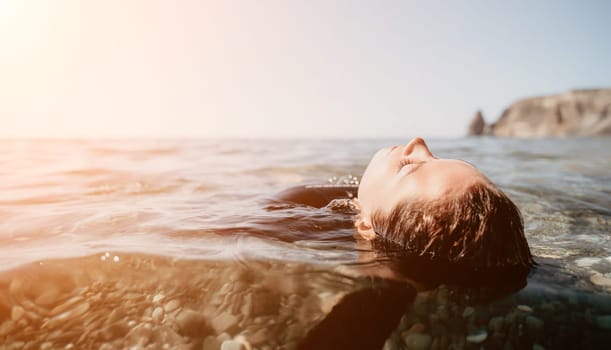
(205, 188)
(37, 200)
(161, 151)
(136, 188)
(534, 156)
(89, 172)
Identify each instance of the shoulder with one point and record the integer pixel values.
(316, 195)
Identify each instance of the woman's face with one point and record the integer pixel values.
(411, 172)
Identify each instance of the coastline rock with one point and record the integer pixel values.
(477, 125)
(574, 113)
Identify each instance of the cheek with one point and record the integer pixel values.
(425, 187)
(412, 191)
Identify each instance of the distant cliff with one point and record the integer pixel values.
(574, 113)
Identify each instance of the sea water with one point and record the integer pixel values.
(172, 244)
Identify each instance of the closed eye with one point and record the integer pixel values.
(408, 167)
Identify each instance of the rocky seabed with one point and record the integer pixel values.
(153, 303)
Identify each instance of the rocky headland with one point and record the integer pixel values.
(574, 113)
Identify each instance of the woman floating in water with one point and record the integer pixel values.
(440, 221)
(441, 210)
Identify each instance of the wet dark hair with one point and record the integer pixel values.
(480, 230)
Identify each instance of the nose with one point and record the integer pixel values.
(417, 150)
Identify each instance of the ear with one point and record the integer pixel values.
(364, 230)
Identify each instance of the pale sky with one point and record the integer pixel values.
(312, 69)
